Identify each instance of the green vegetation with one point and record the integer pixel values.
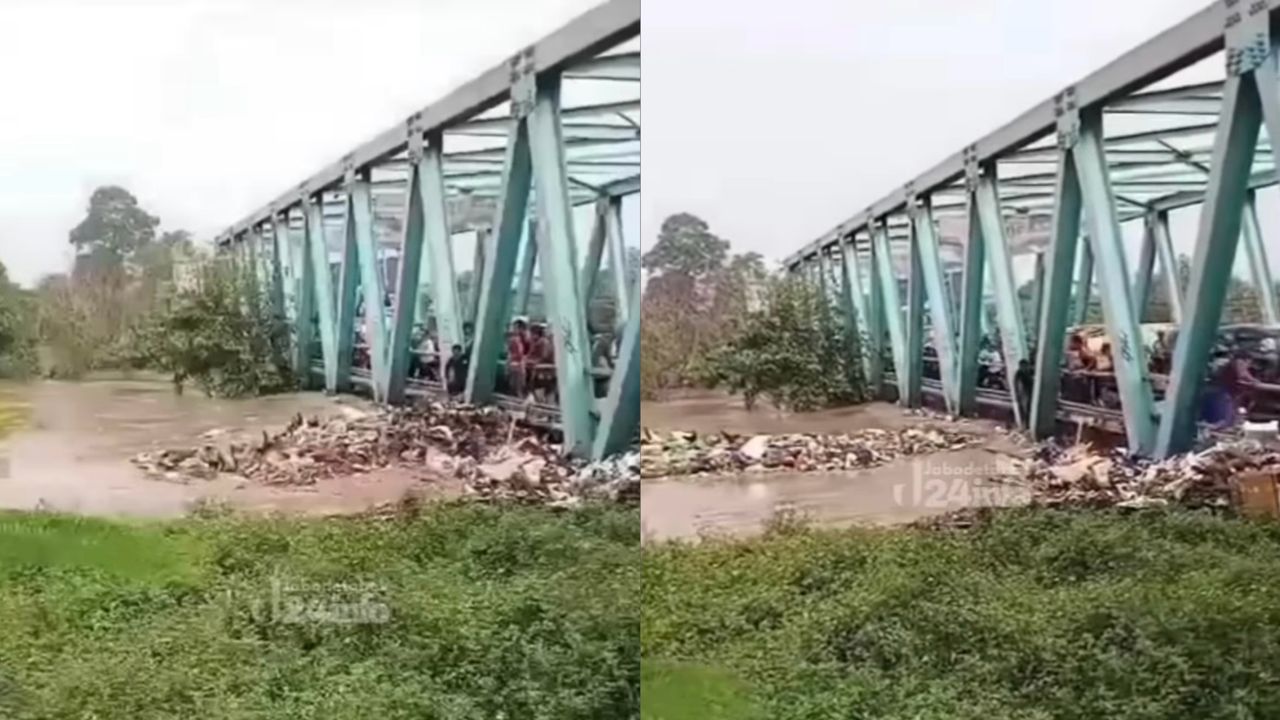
(793, 351)
(1037, 615)
(17, 330)
(219, 332)
(491, 613)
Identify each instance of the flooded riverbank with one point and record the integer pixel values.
(899, 492)
(66, 446)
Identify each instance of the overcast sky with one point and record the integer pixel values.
(776, 121)
(208, 109)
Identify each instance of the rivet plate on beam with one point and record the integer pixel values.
(971, 169)
(524, 85)
(1246, 34)
(1067, 113)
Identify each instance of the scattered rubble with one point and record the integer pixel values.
(494, 456)
(1079, 476)
(687, 453)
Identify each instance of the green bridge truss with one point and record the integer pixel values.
(1130, 143)
(507, 141)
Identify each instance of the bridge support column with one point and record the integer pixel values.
(875, 314)
(1084, 283)
(478, 262)
(438, 246)
(915, 318)
(618, 262)
(972, 311)
(495, 286)
(528, 269)
(279, 248)
(595, 252)
(1220, 218)
(317, 251)
(990, 221)
(1168, 263)
(560, 269)
(303, 307)
(1037, 296)
(891, 302)
(1260, 269)
(855, 306)
(409, 271)
(944, 338)
(359, 231)
(620, 413)
(1146, 265)
(1118, 308)
(345, 329)
(1047, 379)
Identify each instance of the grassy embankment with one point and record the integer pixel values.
(489, 613)
(1039, 615)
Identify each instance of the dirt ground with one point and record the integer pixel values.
(900, 492)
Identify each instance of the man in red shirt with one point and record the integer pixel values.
(517, 354)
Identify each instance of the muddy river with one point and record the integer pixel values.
(743, 504)
(66, 446)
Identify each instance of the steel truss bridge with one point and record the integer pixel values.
(1130, 143)
(507, 138)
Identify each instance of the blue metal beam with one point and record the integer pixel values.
(915, 323)
(1008, 313)
(558, 249)
(891, 307)
(972, 312)
(1168, 263)
(360, 230)
(620, 412)
(1107, 245)
(1146, 264)
(855, 305)
(1219, 232)
(1260, 269)
(944, 336)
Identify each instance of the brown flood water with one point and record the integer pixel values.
(743, 504)
(66, 447)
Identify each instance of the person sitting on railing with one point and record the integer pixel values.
(542, 359)
(517, 352)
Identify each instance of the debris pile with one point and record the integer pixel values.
(687, 453)
(484, 447)
(1079, 476)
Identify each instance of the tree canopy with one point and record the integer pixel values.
(115, 226)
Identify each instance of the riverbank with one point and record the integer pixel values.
(457, 610)
(1036, 614)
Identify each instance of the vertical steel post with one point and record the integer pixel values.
(439, 249)
(408, 273)
(620, 413)
(478, 261)
(1067, 205)
(1260, 269)
(560, 269)
(495, 287)
(944, 337)
(875, 316)
(322, 277)
(1233, 149)
(915, 315)
(304, 306)
(618, 262)
(855, 303)
(345, 327)
(279, 253)
(1107, 244)
(891, 302)
(1084, 283)
(360, 230)
(595, 252)
(528, 267)
(1169, 263)
(1146, 265)
(1037, 296)
(1008, 313)
(972, 311)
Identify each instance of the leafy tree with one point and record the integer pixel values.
(687, 247)
(794, 351)
(17, 329)
(220, 333)
(114, 227)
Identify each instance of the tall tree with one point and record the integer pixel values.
(686, 246)
(114, 227)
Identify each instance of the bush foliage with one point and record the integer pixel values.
(492, 613)
(1038, 615)
(219, 332)
(794, 351)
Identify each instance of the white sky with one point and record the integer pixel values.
(776, 121)
(208, 109)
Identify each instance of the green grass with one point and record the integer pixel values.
(493, 613)
(1039, 615)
